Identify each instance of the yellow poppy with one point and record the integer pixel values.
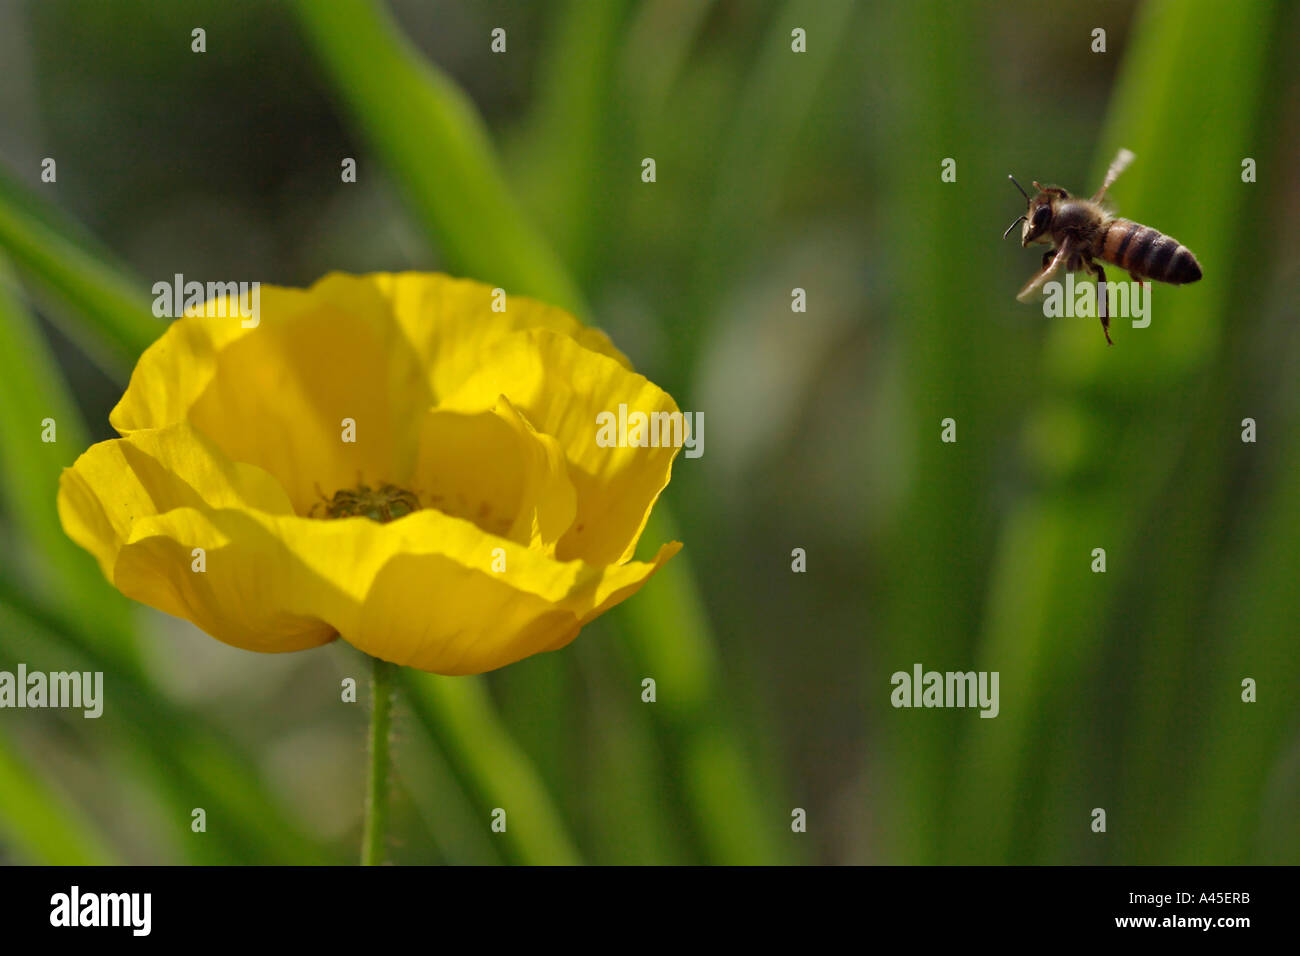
(384, 458)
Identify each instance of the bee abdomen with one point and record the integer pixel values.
(1146, 252)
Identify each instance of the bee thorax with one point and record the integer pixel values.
(1077, 217)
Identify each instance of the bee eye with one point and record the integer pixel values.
(1041, 216)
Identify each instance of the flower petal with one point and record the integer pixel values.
(561, 388)
(254, 592)
(431, 612)
(173, 372)
(323, 399)
(451, 321)
(420, 591)
(493, 469)
(375, 350)
(116, 483)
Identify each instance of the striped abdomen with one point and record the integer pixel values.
(1145, 253)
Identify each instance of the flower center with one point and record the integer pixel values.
(383, 504)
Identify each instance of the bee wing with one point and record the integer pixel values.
(1036, 283)
(1122, 159)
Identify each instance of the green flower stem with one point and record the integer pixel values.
(381, 719)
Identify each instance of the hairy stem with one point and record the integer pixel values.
(376, 821)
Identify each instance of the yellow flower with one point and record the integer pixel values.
(472, 522)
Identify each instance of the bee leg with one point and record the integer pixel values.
(1058, 258)
(1103, 300)
(1047, 257)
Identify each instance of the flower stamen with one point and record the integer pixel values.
(383, 504)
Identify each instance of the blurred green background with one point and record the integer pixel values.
(775, 170)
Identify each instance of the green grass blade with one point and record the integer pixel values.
(458, 715)
(563, 164)
(939, 545)
(49, 249)
(1180, 711)
(671, 641)
(31, 392)
(1135, 409)
(36, 821)
(660, 39)
(779, 94)
(427, 132)
(1243, 760)
(180, 756)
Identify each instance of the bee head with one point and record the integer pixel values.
(1039, 214)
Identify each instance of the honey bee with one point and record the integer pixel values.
(1083, 235)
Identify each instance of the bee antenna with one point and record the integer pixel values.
(1012, 226)
(1020, 187)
